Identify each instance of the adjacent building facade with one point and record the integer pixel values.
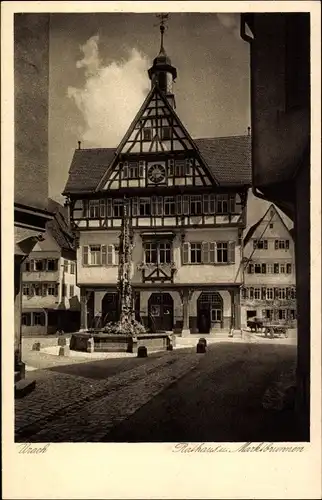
(50, 297)
(186, 201)
(280, 60)
(31, 69)
(269, 290)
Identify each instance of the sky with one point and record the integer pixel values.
(98, 80)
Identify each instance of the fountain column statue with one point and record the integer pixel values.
(124, 270)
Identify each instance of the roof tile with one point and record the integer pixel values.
(228, 158)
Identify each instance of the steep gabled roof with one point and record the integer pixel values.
(87, 168)
(58, 226)
(253, 228)
(228, 158)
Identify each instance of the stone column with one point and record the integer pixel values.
(237, 309)
(83, 304)
(185, 297)
(232, 308)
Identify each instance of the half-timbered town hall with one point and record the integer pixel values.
(186, 203)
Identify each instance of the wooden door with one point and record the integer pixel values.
(160, 308)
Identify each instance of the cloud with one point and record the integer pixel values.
(111, 95)
(231, 22)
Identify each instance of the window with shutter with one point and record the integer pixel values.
(104, 256)
(110, 255)
(231, 252)
(205, 253)
(212, 252)
(85, 256)
(186, 253)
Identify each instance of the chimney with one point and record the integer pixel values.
(248, 130)
(79, 145)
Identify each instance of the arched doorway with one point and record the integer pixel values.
(110, 308)
(160, 310)
(209, 311)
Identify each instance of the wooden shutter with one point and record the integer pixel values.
(276, 293)
(232, 203)
(287, 244)
(110, 255)
(141, 169)
(102, 208)
(264, 268)
(276, 244)
(85, 255)
(238, 204)
(205, 252)
(125, 171)
(135, 206)
(160, 206)
(212, 252)
(212, 204)
(44, 290)
(179, 204)
(109, 208)
(263, 293)
(231, 252)
(206, 203)
(186, 204)
(85, 208)
(103, 255)
(186, 253)
(154, 208)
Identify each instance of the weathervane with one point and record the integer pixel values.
(163, 19)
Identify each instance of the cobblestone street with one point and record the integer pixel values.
(178, 395)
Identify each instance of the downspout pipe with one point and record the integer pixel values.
(244, 36)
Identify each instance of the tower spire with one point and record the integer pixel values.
(162, 73)
(163, 18)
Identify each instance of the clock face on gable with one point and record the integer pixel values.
(156, 173)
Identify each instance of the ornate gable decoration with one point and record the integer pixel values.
(156, 133)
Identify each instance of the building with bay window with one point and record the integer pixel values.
(186, 200)
(50, 296)
(269, 290)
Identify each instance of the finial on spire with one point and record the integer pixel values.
(163, 18)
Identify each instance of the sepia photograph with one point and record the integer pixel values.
(162, 229)
(155, 227)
